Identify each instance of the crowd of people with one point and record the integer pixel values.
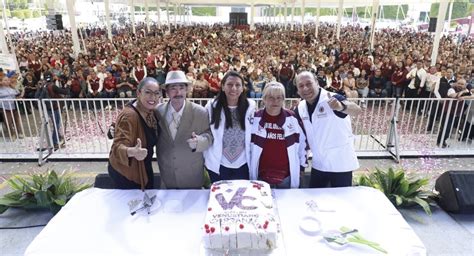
(398, 66)
(230, 138)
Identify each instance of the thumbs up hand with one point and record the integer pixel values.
(334, 104)
(192, 142)
(137, 151)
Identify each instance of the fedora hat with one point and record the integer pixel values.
(176, 77)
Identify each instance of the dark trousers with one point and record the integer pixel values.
(123, 183)
(468, 131)
(241, 173)
(448, 121)
(320, 179)
(435, 112)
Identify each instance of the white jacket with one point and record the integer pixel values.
(329, 137)
(295, 141)
(213, 155)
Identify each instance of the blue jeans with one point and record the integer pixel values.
(55, 117)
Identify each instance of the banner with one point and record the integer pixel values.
(7, 61)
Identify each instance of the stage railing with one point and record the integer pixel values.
(387, 127)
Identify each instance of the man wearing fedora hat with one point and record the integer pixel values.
(185, 134)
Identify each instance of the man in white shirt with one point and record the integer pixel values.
(418, 77)
(326, 120)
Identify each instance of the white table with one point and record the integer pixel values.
(97, 222)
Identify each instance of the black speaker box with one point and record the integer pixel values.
(238, 18)
(54, 22)
(432, 26)
(456, 191)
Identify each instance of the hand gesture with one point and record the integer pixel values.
(334, 104)
(192, 142)
(137, 152)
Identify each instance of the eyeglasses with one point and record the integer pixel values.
(150, 93)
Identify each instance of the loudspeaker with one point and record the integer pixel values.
(238, 18)
(456, 191)
(54, 22)
(432, 26)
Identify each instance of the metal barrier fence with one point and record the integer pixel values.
(77, 128)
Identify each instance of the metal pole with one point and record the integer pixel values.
(252, 13)
(339, 19)
(82, 39)
(354, 14)
(280, 14)
(147, 17)
(3, 40)
(443, 5)
(398, 10)
(107, 19)
(285, 19)
(470, 24)
(375, 7)
(158, 13)
(274, 11)
(318, 9)
(72, 20)
(450, 12)
(302, 14)
(168, 14)
(8, 32)
(292, 15)
(175, 15)
(132, 10)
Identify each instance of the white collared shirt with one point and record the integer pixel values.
(171, 110)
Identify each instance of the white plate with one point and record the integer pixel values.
(310, 225)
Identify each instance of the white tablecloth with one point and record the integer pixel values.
(98, 222)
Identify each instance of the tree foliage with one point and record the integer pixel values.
(461, 9)
(204, 11)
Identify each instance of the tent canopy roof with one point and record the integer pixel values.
(308, 3)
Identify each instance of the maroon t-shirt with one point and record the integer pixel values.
(110, 83)
(274, 165)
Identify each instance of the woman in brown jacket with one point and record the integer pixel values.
(136, 134)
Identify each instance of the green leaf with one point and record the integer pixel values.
(13, 184)
(10, 202)
(61, 200)
(3, 208)
(42, 198)
(423, 204)
(398, 200)
(401, 190)
(41, 190)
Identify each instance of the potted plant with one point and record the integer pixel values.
(41, 191)
(401, 190)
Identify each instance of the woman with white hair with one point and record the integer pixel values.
(278, 144)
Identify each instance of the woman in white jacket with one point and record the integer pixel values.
(231, 117)
(278, 144)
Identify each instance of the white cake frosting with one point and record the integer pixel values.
(240, 215)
